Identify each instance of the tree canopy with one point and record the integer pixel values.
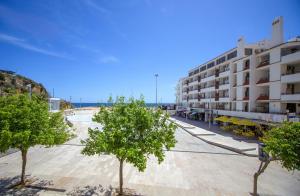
(283, 143)
(26, 122)
(131, 132)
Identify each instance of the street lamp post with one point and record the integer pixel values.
(156, 75)
(209, 111)
(70, 102)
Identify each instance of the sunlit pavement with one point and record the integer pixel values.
(193, 167)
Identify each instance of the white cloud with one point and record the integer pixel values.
(109, 59)
(92, 4)
(25, 45)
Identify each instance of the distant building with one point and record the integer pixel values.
(257, 81)
(54, 104)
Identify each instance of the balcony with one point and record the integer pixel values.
(263, 63)
(295, 96)
(194, 82)
(263, 97)
(290, 77)
(216, 97)
(217, 85)
(217, 73)
(246, 98)
(234, 85)
(263, 81)
(199, 79)
(246, 67)
(290, 56)
(246, 83)
(209, 78)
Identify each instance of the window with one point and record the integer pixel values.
(232, 55)
(203, 68)
(221, 60)
(210, 65)
(248, 51)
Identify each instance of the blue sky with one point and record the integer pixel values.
(92, 49)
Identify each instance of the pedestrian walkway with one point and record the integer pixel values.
(217, 137)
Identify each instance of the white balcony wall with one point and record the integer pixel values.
(194, 83)
(291, 58)
(204, 90)
(208, 79)
(227, 99)
(292, 78)
(224, 87)
(224, 74)
(291, 97)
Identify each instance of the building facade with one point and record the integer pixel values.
(257, 81)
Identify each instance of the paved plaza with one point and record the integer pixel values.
(193, 167)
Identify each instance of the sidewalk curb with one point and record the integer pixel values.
(216, 144)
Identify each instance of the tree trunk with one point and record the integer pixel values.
(121, 177)
(24, 159)
(262, 167)
(255, 184)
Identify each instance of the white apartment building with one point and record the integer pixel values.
(259, 81)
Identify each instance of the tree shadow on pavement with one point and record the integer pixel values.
(99, 191)
(34, 186)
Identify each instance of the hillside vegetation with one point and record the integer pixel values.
(12, 83)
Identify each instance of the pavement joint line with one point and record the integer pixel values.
(204, 134)
(216, 144)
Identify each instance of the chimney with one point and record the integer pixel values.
(240, 47)
(277, 31)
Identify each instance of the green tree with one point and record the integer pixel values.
(26, 122)
(282, 143)
(131, 132)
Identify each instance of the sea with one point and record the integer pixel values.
(79, 105)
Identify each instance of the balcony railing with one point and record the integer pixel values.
(262, 97)
(291, 93)
(216, 97)
(223, 70)
(246, 82)
(246, 67)
(217, 85)
(246, 98)
(217, 73)
(287, 51)
(224, 83)
(290, 72)
(263, 63)
(224, 96)
(263, 80)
